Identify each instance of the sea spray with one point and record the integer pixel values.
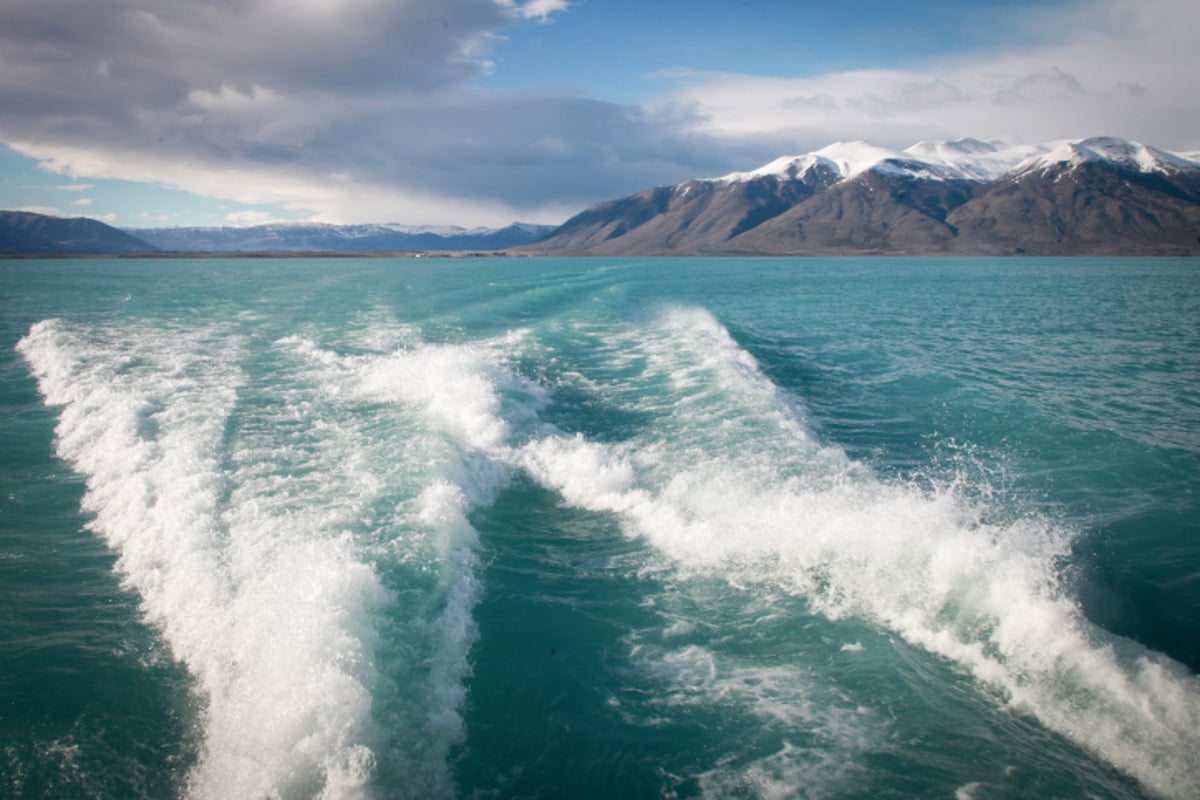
(456, 404)
(250, 514)
(730, 483)
(264, 603)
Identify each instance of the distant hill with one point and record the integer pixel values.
(26, 233)
(298, 237)
(1081, 197)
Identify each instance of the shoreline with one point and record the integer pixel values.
(516, 253)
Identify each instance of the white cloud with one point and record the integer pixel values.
(354, 111)
(1050, 84)
(536, 9)
(240, 218)
(149, 218)
(46, 210)
(83, 201)
(464, 156)
(1114, 68)
(363, 110)
(333, 198)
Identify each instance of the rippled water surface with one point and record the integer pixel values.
(600, 528)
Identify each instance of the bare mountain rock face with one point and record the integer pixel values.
(1089, 209)
(696, 216)
(1085, 197)
(874, 213)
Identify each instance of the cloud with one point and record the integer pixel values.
(238, 218)
(463, 155)
(152, 53)
(929, 94)
(1048, 84)
(83, 201)
(1112, 68)
(46, 210)
(536, 9)
(353, 111)
(364, 110)
(822, 101)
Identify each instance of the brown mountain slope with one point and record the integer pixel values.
(1094, 197)
(873, 213)
(700, 216)
(1086, 210)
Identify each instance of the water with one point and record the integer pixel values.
(600, 528)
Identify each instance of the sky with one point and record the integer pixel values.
(153, 113)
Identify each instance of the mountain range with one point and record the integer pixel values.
(26, 233)
(1097, 196)
(317, 237)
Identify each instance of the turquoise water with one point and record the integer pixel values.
(600, 528)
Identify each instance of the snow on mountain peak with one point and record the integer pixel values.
(968, 159)
(1122, 153)
(973, 159)
(855, 158)
(782, 167)
(845, 160)
(955, 148)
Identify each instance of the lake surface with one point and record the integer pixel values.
(600, 528)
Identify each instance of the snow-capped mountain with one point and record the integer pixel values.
(972, 159)
(1095, 195)
(845, 160)
(1109, 151)
(319, 237)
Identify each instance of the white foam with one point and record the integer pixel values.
(251, 534)
(822, 773)
(694, 682)
(729, 482)
(462, 388)
(268, 610)
(732, 483)
(968, 791)
(723, 494)
(466, 400)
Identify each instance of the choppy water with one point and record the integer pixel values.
(600, 528)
